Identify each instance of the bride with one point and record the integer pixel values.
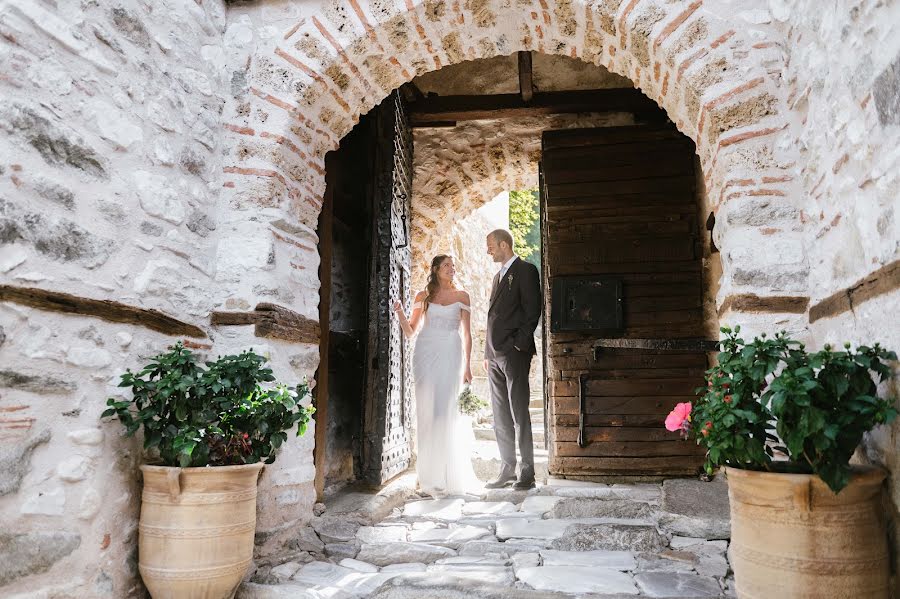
(444, 436)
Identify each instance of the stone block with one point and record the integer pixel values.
(404, 568)
(886, 91)
(285, 571)
(436, 585)
(342, 550)
(667, 561)
(13, 255)
(46, 503)
(115, 126)
(250, 590)
(677, 584)
(333, 530)
(58, 238)
(15, 461)
(383, 554)
(578, 579)
(201, 223)
(35, 383)
(478, 508)
(90, 505)
(496, 548)
(610, 560)
(615, 537)
(539, 504)
(130, 26)
(355, 564)
(763, 212)
(57, 145)
(307, 540)
(449, 537)
(55, 193)
(382, 534)
(74, 469)
(526, 559)
(436, 509)
(576, 507)
(88, 357)
(485, 573)
(158, 197)
(24, 554)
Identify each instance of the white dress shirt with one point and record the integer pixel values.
(503, 270)
(506, 266)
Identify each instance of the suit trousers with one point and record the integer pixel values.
(510, 396)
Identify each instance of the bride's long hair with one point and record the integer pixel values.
(431, 288)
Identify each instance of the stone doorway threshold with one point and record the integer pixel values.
(561, 540)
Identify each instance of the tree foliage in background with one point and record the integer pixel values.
(524, 224)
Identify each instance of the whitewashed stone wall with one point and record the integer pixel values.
(110, 175)
(170, 154)
(844, 84)
(109, 172)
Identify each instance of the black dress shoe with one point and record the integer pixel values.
(523, 484)
(501, 481)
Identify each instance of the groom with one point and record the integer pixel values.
(515, 308)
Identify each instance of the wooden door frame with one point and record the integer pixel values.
(320, 393)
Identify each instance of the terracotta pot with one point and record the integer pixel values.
(793, 538)
(196, 530)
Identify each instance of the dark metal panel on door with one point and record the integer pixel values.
(387, 449)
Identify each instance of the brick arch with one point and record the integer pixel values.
(717, 82)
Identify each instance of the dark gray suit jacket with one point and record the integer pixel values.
(514, 311)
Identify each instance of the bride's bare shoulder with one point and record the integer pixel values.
(463, 296)
(421, 296)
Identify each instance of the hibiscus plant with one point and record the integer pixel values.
(771, 395)
(230, 412)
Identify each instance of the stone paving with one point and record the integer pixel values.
(563, 539)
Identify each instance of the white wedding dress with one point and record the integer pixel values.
(444, 437)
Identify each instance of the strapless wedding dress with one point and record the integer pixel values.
(444, 437)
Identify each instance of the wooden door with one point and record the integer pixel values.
(620, 204)
(387, 433)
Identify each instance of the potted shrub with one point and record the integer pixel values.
(210, 429)
(784, 422)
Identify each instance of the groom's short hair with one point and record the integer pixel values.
(502, 235)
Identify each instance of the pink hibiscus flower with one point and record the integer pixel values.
(677, 418)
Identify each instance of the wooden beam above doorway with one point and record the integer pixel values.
(441, 110)
(526, 83)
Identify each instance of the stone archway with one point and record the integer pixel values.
(716, 77)
(304, 86)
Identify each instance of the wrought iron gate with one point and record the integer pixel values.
(387, 445)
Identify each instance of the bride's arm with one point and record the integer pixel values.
(411, 325)
(466, 319)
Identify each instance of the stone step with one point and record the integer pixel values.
(486, 433)
(486, 461)
(537, 416)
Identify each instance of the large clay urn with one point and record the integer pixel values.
(793, 538)
(196, 530)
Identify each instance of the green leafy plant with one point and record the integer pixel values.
(469, 403)
(230, 412)
(772, 395)
(524, 225)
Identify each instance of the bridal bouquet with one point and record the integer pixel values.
(469, 403)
